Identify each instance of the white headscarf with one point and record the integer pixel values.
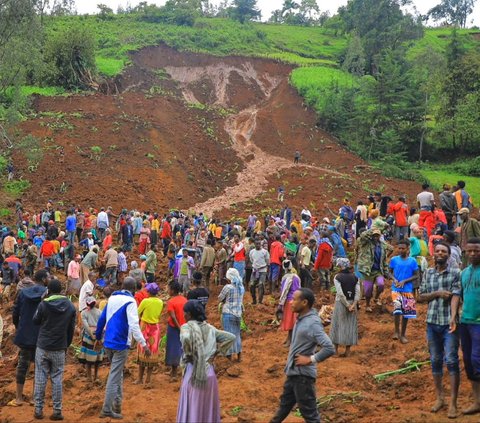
(234, 277)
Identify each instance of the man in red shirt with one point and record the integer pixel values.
(238, 252)
(166, 234)
(277, 254)
(323, 262)
(400, 213)
(47, 251)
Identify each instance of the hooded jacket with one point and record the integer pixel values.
(56, 317)
(23, 311)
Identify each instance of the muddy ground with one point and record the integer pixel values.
(249, 391)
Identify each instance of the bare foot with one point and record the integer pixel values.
(137, 382)
(439, 403)
(452, 412)
(369, 310)
(403, 340)
(473, 409)
(396, 336)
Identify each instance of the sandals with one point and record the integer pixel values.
(14, 403)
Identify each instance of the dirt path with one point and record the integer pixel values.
(252, 180)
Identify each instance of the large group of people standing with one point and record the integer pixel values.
(125, 269)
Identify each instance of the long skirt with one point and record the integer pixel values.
(151, 333)
(142, 248)
(174, 347)
(231, 324)
(289, 317)
(87, 354)
(344, 330)
(199, 405)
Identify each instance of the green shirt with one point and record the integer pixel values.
(471, 295)
(184, 267)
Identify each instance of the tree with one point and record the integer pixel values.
(20, 42)
(105, 12)
(355, 57)
(70, 54)
(309, 10)
(380, 24)
(245, 10)
(452, 12)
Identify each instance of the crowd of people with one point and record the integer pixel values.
(116, 265)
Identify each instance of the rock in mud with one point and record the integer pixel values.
(234, 371)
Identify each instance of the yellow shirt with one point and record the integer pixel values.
(150, 310)
(155, 225)
(102, 304)
(58, 216)
(258, 227)
(56, 245)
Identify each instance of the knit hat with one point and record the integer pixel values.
(343, 263)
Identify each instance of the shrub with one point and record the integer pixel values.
(3, 164)
(16, 188)
(71, 53)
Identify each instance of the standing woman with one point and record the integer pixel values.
(232, 309)
(144, 239)
(344, 329)
(199, 400)
(175, 320)
(290, 284)
(149, 312)
(88, 355)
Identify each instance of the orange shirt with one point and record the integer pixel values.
(176, 304)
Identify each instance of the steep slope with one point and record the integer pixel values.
(192, 131)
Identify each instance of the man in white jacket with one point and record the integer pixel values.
(121, 323)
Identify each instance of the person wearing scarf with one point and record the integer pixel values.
(201, 342)
(232, 309)
(290, 283)
(344, 330)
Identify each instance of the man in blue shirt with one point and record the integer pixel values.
(404, 270)
(71, 226)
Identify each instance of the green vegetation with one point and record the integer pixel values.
(16, 188)
(437, 175)
(109, 66)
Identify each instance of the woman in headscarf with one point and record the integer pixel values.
(88, 355)
(199, 400)
(144, 239)
(173, 350)
(232, 309)
(344, 330)
(290, 284)
(149, 312)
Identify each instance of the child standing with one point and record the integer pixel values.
(405, 272)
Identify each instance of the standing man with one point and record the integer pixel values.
(296, 157)
(277, 254)
(221, 257)
(448, 204)
(425, 199)
(102, 223)
(166, 234)
(400, 214)
(151, 263)
(470, 320)
(462, 199)
(238, 253)
(301, 371)
(127, 235)
(305, 262)
(26, 334)
(120, 319)
(111, 264)
(371, 260)
(439, 285)
(470, 228)
(404, 270)
(56, 317)
(71, 226)
(260, 260)
(207, 261)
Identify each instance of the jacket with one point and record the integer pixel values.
(448, 202)
(366, 254)
(56, 316)
(23, 311)
(120, 321)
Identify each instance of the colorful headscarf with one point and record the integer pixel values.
(152, 288)
(343, 263)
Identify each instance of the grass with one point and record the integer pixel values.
(438, 177)
(16, 188)
(109, 66)
(314, 82)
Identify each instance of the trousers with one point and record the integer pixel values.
(49, 364)
(114, 388)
